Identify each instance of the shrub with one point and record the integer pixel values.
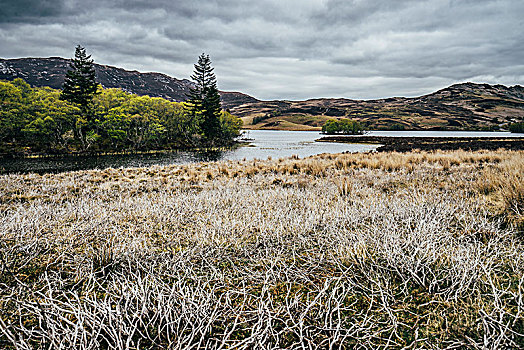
(517, 127)
(342, 126)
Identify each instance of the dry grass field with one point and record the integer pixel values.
(367, 251)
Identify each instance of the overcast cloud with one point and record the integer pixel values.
(284, 49)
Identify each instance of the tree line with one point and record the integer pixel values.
(84, 117)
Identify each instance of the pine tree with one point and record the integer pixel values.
(204, 100)
(80, 84)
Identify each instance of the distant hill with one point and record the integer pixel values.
(51, 71)
(460, 106)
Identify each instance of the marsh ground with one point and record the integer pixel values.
(380, 250)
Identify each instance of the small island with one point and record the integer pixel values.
(342, 126)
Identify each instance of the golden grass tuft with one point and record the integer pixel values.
(374, 250)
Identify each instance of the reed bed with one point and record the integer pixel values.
(368, 251)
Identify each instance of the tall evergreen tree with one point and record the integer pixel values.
(80, 84)
(204, 99)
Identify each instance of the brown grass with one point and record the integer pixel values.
(387, 250)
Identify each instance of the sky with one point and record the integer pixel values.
(284, 49)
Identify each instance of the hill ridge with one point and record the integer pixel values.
(461, 106)
(51, 71)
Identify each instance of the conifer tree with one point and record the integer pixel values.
(80, 84)
(204, 99)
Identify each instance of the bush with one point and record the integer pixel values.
(342, 126)
(230, 125)
(260, 118)
(517, 127)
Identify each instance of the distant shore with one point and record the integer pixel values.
(406, 144)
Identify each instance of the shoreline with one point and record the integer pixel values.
(406, 144)
(122, 153)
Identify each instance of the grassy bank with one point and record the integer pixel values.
(383, 250)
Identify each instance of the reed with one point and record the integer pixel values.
(378, 251)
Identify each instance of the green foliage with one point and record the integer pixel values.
(36, 120)
(14, 110)
(230, 126)
(517, 127)
(80, 84)
(204, 101)
(342, 126)
(259, 118)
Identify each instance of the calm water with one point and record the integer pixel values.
(263, 144)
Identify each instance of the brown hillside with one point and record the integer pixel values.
(466, 106)
(458, 107)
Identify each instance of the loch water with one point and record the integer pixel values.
(257, 144)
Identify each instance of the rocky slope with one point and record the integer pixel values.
(51, 72)
(460, 106)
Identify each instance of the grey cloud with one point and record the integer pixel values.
(30, 11)
(285, 49)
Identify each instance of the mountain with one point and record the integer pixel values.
(458, 107)
(51, 71)
(466, 106)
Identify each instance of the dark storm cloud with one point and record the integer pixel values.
(285, 49)
(29, 11)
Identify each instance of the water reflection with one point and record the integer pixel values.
(262, 144)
